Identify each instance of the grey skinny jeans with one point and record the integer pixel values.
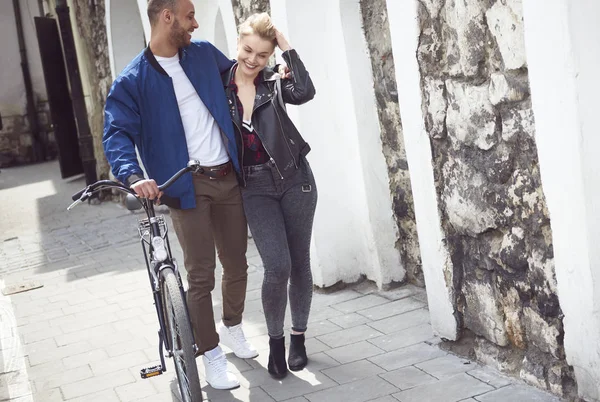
(280, 216)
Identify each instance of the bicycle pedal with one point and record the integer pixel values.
(151, 371)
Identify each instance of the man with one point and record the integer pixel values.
(170, 103)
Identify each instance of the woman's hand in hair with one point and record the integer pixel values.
(281, 41)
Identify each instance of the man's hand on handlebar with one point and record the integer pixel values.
(147, 188)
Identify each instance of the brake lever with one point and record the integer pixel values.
(73, 205)
(81, 199)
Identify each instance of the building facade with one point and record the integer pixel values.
(453, 146)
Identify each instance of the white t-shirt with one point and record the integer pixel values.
(204, 142)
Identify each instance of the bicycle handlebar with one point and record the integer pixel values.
(193, 166)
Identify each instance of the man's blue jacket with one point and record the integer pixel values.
(141, 110)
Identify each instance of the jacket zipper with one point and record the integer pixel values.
(268, 153)
(284, 135)
(263, 142)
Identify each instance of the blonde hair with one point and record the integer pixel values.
(259, 24)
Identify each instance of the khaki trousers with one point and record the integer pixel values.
(218, 219)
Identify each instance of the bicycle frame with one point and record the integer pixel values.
(157, 254)
(150, 229)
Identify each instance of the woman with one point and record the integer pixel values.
(278, 187)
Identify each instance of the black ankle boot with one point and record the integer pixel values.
(277, 366)
(297, 359)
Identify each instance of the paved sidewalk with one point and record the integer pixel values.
(85, 334)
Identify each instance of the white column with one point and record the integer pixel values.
(354, 231)
(437, 266)
(563, 55)
(125, 33)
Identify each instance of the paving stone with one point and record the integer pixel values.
(96, 384)
(353, 371)
(404, 338)
(313, 346)
(60, 378)
(293, 386)
(323, 313)
(517, 393)
(15, 390)
(356, 391)
(135, 343)
(82, 359)
(41, 335)
(239, 394)
(58, 353)
(408, 377)
(48, 395)
(402, 321)
(328, 299)
(349, 320)
(446, 366)
(103, 396)
(135, 391)
(349, 335)
(133, 359)
(354, 351)
(89, 334)
(490, 377)
(387, 398)
(407, 356)
(360, 303)
(321, 328)
(452, 389)
(392, 309)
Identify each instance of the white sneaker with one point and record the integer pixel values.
(234, 339)
(217, 375)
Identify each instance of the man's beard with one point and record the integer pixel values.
(178, 35)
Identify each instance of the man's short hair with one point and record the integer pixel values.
(155, 7)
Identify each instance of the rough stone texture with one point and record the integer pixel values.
(242, 9)
(92, 28)
(483, 312)
(435, 106)
(493, 211)
(16, 141)
(471, 119)
(505, 20)
(377, 33)
(464, 37)
(508, 88)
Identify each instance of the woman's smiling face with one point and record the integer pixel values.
(253, 53)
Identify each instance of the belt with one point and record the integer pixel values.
(215, 172)
(254, 168)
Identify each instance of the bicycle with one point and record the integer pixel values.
(175, 331)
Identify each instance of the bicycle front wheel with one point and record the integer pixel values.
(179, 332)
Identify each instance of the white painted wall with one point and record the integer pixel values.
(216, 24)
(125, 33)
(437, 266)
(354, 200)
(563, 56)
(384, 232)
(12, 86)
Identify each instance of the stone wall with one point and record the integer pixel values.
(242, 9)
(377, 32)
(16, 140)
(91, 27)
(478, 115)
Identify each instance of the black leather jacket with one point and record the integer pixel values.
(281, 139)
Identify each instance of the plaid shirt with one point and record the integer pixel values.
(254, 151)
